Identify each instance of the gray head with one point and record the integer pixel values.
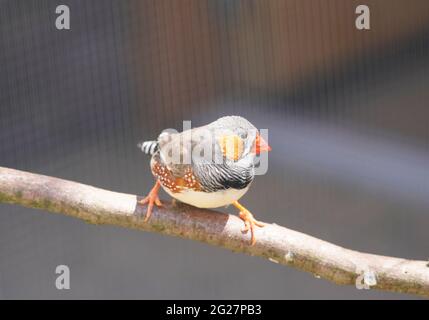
(236, 136)
(235, 125)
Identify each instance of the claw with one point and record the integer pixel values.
(249, 222)
(246, 226)
(151, 199)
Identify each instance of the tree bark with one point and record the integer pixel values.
(275, 243)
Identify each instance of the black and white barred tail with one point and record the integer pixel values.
(148, 147)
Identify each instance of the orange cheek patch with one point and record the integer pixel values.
(232, 146)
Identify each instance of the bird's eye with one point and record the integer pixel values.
(243, 135)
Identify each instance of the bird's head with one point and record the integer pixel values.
(238, 138)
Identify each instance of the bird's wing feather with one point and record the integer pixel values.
(183, 152)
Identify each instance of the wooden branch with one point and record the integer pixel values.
(276, 243)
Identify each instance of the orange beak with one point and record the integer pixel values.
(260, 145)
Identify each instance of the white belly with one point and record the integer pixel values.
(208, 200)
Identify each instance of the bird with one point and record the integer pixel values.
(207, 167)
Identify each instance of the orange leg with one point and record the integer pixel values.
(151, 199)
(249, 221)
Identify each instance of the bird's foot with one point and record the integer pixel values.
(249, 222)
(151, 200)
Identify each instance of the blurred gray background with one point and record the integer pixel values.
(347, 113)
